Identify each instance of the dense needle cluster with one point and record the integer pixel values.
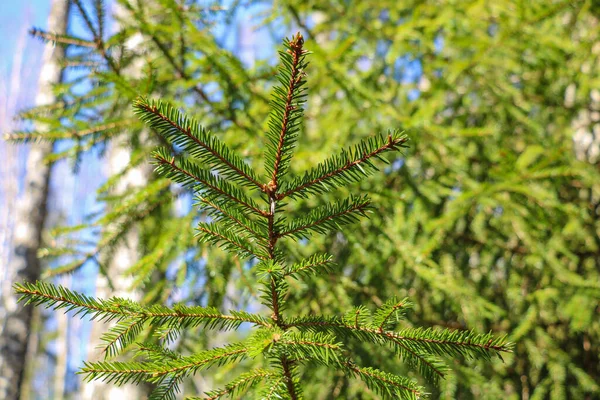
(246, 216)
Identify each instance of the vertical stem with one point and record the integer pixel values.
(270, 189)
(289, 382)
(271, 249)
(276, 316)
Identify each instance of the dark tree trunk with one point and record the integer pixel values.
(31, 214)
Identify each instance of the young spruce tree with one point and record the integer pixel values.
(246, 216)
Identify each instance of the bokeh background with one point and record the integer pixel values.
(490, 221)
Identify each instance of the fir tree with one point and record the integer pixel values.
(246, 215)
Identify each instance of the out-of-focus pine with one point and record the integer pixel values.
(493, 218)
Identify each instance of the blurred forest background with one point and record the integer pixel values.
(490, 221)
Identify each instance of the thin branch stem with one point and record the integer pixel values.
(360, 206)
(97, 37)
(232, 388)
(180, 71)
(276, 317)
(289, 380)
(53, 37)
(237, 221)
(305, 267)
(296, 52)
(128, 313)
(394, 336)
(354, 368)
(397, 306)
(421, 358)
(228, 240)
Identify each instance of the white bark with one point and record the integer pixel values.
(31, 213)
(62, 349)
(125, 255)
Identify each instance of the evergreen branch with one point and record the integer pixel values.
(270, 274)
(179, 70)
(121, 373)
(431, 368)
(155, 352)
(391, 308)
(385, 384)
(86, 18)
(320, 347)
(327, 218)
(350, 165)
(181, 73)
(187, 134)
(136, 201)
(100, 47)
(67, 133)
(289, 378)
(59, 297)
(61, 39)
(168, 334)
(117, 372)
(317, 263)
(468, 344)
(284, 126)
(235, 220)
(167, 389)
(357, 316)
(190, 175)
(431, 341)
(120, 336)
(216, 235)
(238, 386)
(187, 366)
(277, 389)
(100, 15)
(286, 114)
(70, 267)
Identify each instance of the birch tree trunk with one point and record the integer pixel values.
(127, 252)
(125, 255)
(31, 214)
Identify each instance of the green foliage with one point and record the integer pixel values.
(185, 133)
(493, 221)
(350, 165)
(240, 385)
(286, 111)
(284, 344)
(491, 224)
